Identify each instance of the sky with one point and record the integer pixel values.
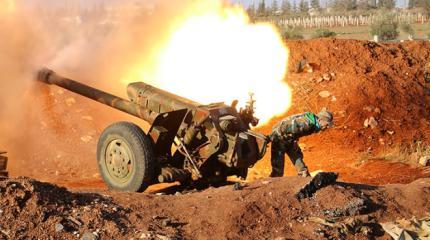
(399, 3)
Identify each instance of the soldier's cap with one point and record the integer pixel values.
(325, 115)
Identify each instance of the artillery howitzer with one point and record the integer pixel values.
(187, 141)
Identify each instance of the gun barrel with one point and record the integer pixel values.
(50, 77)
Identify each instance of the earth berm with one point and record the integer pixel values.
(263, 209)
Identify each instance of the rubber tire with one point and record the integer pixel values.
(142, 150)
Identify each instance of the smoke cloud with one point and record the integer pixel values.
(50, 132)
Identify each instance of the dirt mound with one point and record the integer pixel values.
(32, 209)
(264, 209)
(364, 79)
(381, 85)
(383, 81)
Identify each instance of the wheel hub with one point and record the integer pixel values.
(119, 160)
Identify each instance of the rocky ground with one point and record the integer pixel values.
(381, 104)
(263, 209)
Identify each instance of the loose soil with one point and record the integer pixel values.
(263, 209)
(383, 81)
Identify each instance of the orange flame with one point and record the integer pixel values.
(215, 54)
(7, 6)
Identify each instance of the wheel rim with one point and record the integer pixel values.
(119, 160)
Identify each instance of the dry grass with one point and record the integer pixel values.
(407, 154)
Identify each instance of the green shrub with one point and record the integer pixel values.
(292, 33)
(407, 28)
(323, 33)
(385, 28)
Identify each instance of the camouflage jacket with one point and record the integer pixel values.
(296, 126)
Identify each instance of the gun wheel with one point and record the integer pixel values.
(125, 157)
(119, 160)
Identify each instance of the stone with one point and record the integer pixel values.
(75, 221)
(166, 222)
(425, 161)
(366, 123)
(370, 122)
(163, 237)
(377, 110)
(324, 94)
(88, 118)
(70, 101)
(147, 235)
(90, 236)
(86, 139)
(373, 123)
(319, 80)
(304, 66)
(367, 108)
(326, 77)
(59, 227)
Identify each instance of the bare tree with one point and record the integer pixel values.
(261, 11)
(304, 6)
(275, 7)
(286, 7)
(315, 4)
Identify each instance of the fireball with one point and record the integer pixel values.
(7, 6)
(213, 53)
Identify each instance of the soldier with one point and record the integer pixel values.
(285, 136)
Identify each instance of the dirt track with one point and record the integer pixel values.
(264, 209)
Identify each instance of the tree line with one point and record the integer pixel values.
(309, 7)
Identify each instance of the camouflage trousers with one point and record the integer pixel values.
(281, 147)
